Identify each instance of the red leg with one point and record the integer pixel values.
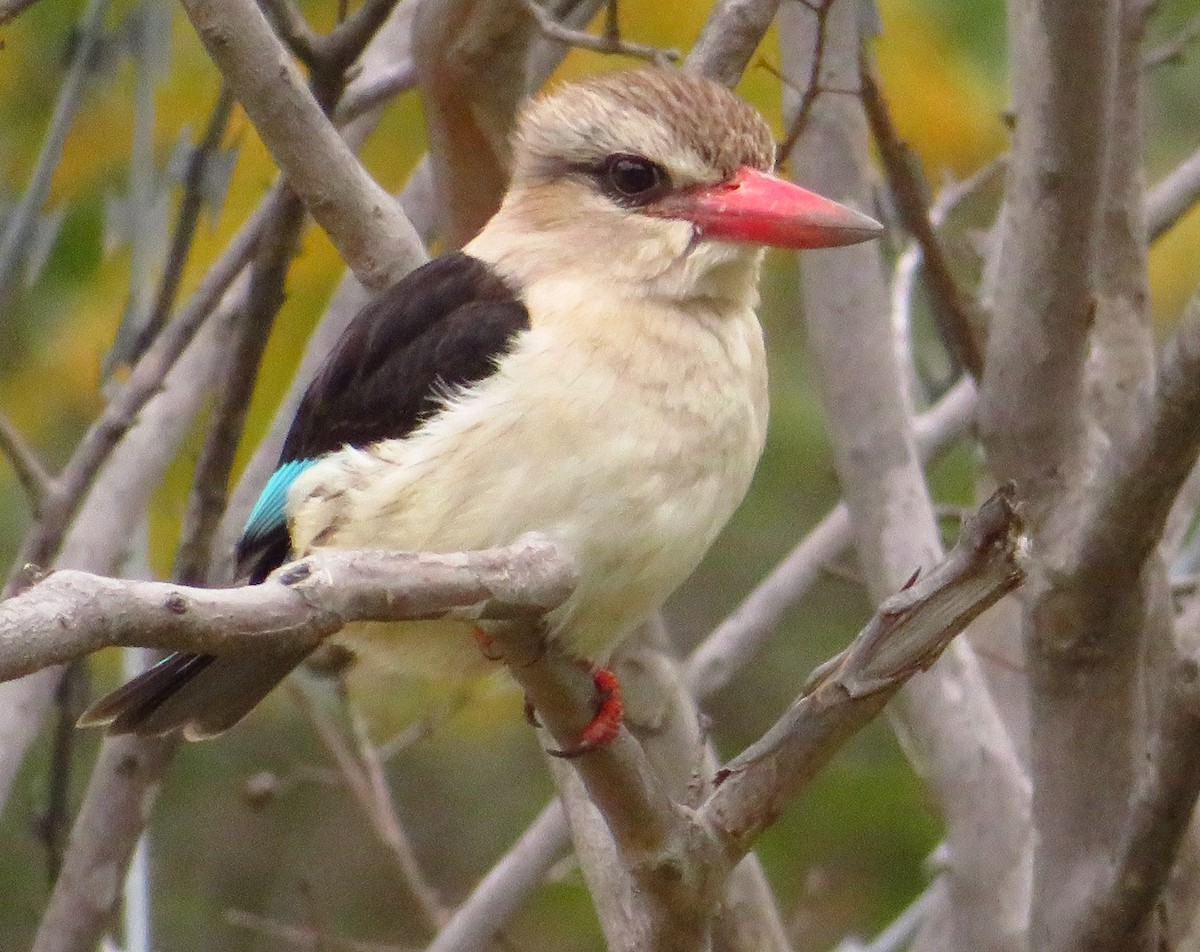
(606, 724)
(487, 644)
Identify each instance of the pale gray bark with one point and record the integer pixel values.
(950, 729)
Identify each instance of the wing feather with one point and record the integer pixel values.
(442, 327)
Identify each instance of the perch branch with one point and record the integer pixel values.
(71, 613)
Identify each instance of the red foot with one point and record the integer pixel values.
(606, 723)
(487, 644)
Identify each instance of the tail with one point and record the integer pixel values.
(202, 695)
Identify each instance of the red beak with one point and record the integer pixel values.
(762, 209)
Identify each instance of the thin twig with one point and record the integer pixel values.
(21, 220)
(900, 932)
(263, 300)
(387, 84)
(1174, 49)
(503, 890)
(11, 9)
(610, 42)
(812, 88)
(958, 325)
(305, 937)
(388, 820)
(1174, 195)
(35, 481)
(190, 207)
(43, 541)
(371, 793)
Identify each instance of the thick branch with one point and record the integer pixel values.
(729, 38)
(1119, 905)
(371, 233)
(907, 635)
(72, 613)
(1135, 498)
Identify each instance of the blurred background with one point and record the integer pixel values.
(256, 820)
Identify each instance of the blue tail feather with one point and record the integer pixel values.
(269, 513)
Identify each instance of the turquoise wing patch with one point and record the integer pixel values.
(270, 513)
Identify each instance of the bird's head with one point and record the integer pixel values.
(665, 178)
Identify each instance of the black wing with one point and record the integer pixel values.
(442, 326)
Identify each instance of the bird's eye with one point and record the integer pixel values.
(633, 178)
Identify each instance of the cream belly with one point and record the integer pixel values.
(579, 436)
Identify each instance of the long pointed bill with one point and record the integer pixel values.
(762, 209)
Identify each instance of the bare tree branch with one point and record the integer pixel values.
(371, 233)
(907, 634)
(299, 605)
(1116, 910)
(11, 9)
(1083, 643)
(363, 775)
(88, 891)
(383, 86)
(470, 57)
(189, 217)
(959, 326)
(1174, 49)
(1171, 198)
(44, 540)
(505, 888)
(609, 42)
(264, 297)
(812, 88)
(950, 727)
(32, 476)
(730, 36)
(305, 937)
(18, 228)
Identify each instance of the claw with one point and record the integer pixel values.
(531, 717)
(606, 724)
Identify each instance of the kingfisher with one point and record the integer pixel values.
(589, 367)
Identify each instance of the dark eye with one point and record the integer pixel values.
(633, 178)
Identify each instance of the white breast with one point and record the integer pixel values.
(629, 436)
